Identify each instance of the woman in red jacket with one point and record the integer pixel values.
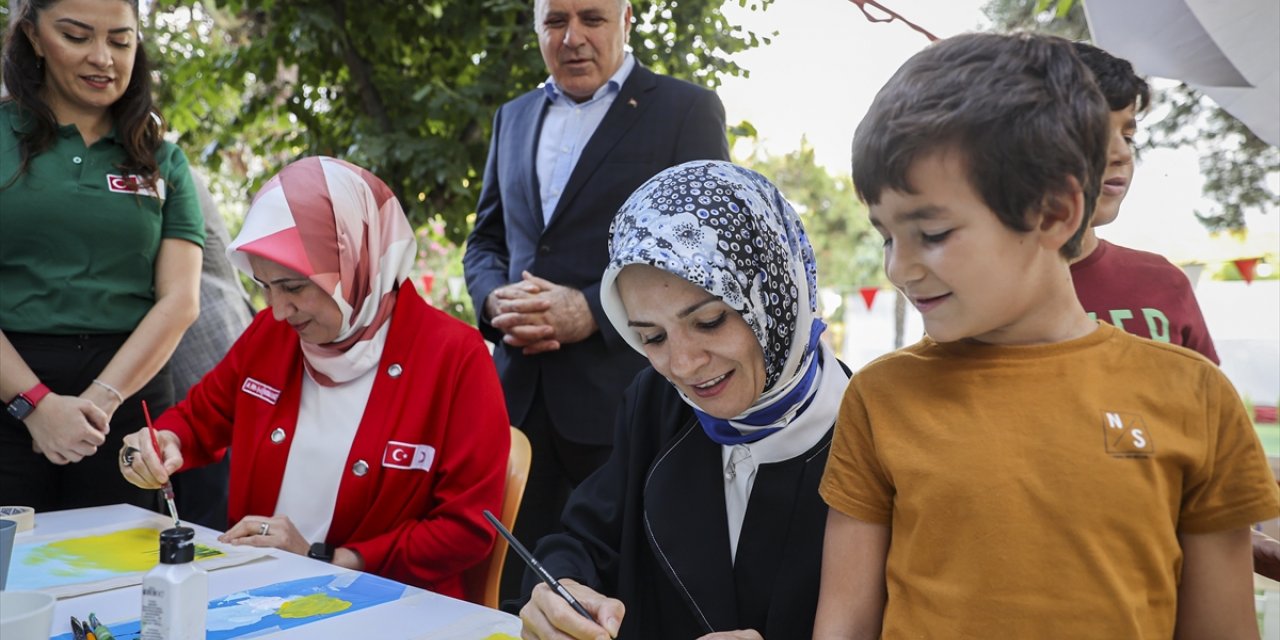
(368, 428)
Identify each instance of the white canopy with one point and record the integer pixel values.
(1229, 49)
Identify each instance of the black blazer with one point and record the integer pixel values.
(655, 122)
(650, 528)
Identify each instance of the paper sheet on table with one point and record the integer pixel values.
(280, 609)
(478, 626)
(91, 560)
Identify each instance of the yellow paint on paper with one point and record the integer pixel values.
(500, 636)
(316, 604)
(125, 551)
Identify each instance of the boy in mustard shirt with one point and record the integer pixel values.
(1023, 471)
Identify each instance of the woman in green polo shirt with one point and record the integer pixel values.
(99, 254)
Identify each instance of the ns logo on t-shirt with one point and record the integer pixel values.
(1127, 436)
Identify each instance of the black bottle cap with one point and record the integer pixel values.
(177, 545)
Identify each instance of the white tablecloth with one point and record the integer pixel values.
(418, 616)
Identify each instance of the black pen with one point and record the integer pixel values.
(538, 568)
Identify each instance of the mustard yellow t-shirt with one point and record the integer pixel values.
(1037, 491)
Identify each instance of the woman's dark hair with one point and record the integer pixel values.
(1022, 110)
(139, 126)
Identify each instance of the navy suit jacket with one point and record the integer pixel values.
(655, 122)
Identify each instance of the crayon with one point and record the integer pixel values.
(77, 631)
(100, 629)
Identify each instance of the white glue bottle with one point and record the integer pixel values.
(175, 594)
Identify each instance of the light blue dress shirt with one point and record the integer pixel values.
(566, 129)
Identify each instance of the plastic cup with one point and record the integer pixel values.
(8, 528)
(26, 615)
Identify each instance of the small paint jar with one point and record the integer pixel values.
(175, 593)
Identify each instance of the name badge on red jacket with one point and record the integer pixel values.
(261, 391)
(403, 455)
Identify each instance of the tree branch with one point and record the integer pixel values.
(361, 71)
(862, 5)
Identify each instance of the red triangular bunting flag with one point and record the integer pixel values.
(428, 282)
(869, 295)
(1246, 266)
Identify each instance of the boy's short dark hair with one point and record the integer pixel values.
(1115, 77)
(1022, 109)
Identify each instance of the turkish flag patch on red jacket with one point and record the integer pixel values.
(403, 455)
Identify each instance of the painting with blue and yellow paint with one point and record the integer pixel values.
(284, 605)
(69, 565)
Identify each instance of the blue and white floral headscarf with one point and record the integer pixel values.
(728, 230)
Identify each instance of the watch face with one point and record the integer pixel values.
(321, 551)
(20, 408)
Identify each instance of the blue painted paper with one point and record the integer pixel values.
(256, 611)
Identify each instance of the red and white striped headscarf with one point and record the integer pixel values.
(343, 228)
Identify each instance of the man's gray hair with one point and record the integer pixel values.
(622, 8)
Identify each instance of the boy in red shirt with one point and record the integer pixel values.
(1140, 292)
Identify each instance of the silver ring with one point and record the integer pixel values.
(126, 456)
(264, 528)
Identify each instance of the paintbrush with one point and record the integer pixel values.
(537, 566)
(166, 489)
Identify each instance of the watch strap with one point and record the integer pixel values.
(321, 551)
(35, 394)
(24, 403)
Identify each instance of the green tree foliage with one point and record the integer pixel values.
(407, 89)
(847, 248)
(1238, 167)
(1064, 19)
(1235, 163)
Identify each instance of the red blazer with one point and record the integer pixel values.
(435, 386)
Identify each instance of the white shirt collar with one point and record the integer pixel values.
(613, 85)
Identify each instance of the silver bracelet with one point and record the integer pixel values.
(114, 391)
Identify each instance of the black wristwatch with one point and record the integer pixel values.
(321, 551)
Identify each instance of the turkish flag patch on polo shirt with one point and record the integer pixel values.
(135, 184)
(403, 455)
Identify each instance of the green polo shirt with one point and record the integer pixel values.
(78, 239)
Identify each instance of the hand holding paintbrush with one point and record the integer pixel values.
(540, 620)
(167, 487)
(142, 471)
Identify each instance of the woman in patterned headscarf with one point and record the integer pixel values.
(707, 517)
(368, 428)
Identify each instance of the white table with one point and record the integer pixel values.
(418, 616)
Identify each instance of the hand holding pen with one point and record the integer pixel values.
(563, 607)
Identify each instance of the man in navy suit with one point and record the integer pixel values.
(562, 160)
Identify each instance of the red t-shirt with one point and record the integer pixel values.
(1144, 294)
